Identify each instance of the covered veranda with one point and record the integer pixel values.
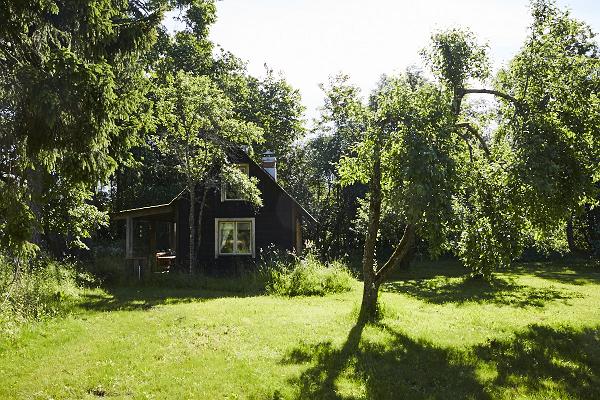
(150, 237)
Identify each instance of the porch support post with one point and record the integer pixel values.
(129, 238)
(172, 237)
(152, 246)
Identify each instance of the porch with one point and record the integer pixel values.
(150, 238)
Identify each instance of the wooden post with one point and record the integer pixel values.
(172, 235)
(152, 249)
(129, 238)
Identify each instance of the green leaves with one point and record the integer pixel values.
(72, 102)
(455, 57)
(198, 126)
(555, 144)
(485, 196)
(241, 183)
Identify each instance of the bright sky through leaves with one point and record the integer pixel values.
(312, 39)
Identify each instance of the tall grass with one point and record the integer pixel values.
(39, 289)
(286, 275)
(305, 276)
(275, 272)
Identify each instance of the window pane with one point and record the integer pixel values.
(226, 237)
(231, 193)
(244, 237)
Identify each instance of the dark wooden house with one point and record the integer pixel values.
(233, 230)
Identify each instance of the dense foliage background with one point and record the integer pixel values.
(102, 109)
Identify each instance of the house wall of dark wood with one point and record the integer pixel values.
(275, 223)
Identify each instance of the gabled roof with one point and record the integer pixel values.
(168, 207)
(265, 173)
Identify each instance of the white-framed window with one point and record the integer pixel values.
(227, 192)
(234, 236)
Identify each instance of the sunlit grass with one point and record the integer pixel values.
(533, 333)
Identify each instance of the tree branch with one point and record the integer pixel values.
(466, 139)
(399, 253)
(497, 93)
(475, 133)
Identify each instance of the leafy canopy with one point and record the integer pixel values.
(72, 101)
(198, 127)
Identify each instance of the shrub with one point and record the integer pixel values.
(306, 277)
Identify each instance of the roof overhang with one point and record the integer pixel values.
(160, 209)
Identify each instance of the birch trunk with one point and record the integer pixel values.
(199, 233)
(192, 226)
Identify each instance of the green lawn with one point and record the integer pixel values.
(533, 334)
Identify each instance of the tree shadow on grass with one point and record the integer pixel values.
(145, 298)
(503, 291)
(573, 272)
(542, 361)
(401, 368)
(539, 362)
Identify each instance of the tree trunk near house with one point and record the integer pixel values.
(369, 306)
(373, 278)
(192, 253)
(36, 187)
(199, 233)
(372, 275)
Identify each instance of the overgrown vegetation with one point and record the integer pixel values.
(307, 276)
(48, 288)
(275, 273)
(43, 289)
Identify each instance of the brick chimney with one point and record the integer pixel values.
(269, 163)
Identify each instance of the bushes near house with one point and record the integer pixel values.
(307, 277)
(275, 273)
(281, 274)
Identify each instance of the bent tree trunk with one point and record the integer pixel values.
(368, 308)
(369, 305)
(373, 276)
